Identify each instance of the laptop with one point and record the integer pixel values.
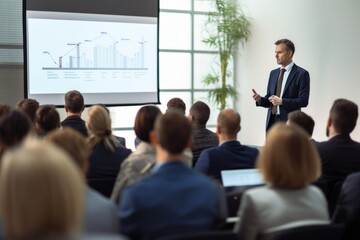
(241, 177)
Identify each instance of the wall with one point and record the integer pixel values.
(326, 38)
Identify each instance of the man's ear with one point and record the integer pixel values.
(218, 130)
(190, 117)
(189, 143)
(329, 122)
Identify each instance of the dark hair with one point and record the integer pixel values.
(4, 108)
(47, 118)
(200, 113)
(14, 126)
(176, 103)
(289, 44)
(173, 131)
(344, 114)
(303, 120)
(74, 101)
(145, 121)
(29, 107)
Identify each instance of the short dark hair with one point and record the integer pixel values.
(303, 120)
(4, 109)
(29, 107)
(74, 101)
(344, 114)
(289, 44)
(200, 113)
(47, 118)
(14, 127)
(145, 121)
(173, 131)
(176, 103)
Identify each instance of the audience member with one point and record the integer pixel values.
(202, 138)
(47, 119)
(142, 160)
(107, 153)
(14, 127)
(29, 107)
(100, 213)
(339, 154)
(288, 162)
(74, 106)
(176, 103)
(230, 154)
(4, 108)
(303, 120)
(348, 208)
(174, 199)
(41, 193)
(121, 140)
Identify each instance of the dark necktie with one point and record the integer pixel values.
(278, 88)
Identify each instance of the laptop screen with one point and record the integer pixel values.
(241, 177)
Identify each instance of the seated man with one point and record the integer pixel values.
(202, 138)
(230, 154)
(304, 121)
(173, 199)
(74, 106)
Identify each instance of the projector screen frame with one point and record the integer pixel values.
(136, 8)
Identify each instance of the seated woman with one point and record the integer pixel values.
(47, 119)
(107, 153)
(41, 193)
(289, 163)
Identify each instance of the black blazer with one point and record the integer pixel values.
(295, 94)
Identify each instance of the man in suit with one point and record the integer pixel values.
(173, 199)
(340, 155)
(348, 208)
(230, 154)
(292, 92)
(202, 138)
(74, 106)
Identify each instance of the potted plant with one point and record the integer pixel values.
(227, 26)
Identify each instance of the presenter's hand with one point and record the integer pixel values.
(256, 96)
(275, 100)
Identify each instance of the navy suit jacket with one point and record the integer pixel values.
(340, 156)
(173, 200)
(227, 156)
(348, 208)
(295, 94)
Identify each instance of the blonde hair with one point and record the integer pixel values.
(289, 159)
(41, 192)
(98, 123)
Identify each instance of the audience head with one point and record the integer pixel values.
(303, 120)
(41, 192)
(145, 121)
(14, 127)
(29, 107)
(289, 160)
(176, 103)
(98, 123)
(228, 123)
(74, 102)
(47, 119)
(173, 131)
(72, 142)
(4, 109)
(199, 113)
(343, 117)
